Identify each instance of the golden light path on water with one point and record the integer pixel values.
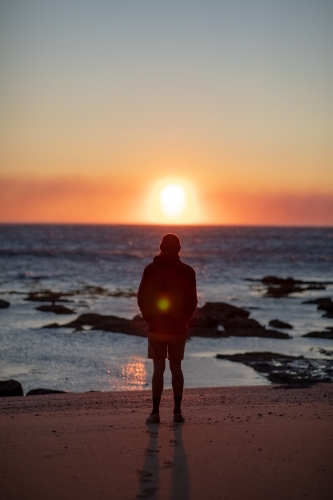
(133, 373)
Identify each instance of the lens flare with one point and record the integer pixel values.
(163, 304)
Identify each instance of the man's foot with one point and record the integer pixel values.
(178, 418)
(154, 418)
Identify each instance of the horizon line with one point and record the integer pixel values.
(153, 224)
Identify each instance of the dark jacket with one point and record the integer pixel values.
(167, 295)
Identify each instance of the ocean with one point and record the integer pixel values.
(102, 265)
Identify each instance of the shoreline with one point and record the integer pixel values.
(237, 442)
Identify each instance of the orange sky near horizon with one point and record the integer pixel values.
(102, 104)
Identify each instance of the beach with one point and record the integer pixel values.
(263, 442)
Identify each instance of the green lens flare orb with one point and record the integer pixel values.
(163, 304)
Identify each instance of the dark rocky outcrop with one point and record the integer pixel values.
(55, 308)
(10, 388)
(283, 287)
(323, 304)
(214, 319)
(36, 392)
(325, 334)
(136, 326)
(218, 319)
(4, 304)
(285, 369)
(276, 323)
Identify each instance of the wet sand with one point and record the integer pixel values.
(237, 443)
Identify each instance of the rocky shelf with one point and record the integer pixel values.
(285, 369)
(214, 319)
(324, 334)
(323, 304)
(282, 287)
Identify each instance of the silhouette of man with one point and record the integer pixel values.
(167, 298)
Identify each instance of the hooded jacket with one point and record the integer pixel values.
(167, 295)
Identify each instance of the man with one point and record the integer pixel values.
(167, 299)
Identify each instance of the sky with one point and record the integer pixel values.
(103, 103)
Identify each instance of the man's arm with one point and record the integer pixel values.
(143, 296)
(191, 298)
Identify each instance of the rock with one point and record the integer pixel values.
(10, 388)
(4, 304)
(326, 305)
(234, 320)
(282, 291)
(246, 327)
(221, 311)
(285, 369)
(274, 280)
(55, 308)
(323, 304)
(106, 323)
(276, 323)
(325, 334)
(283, 287)
(36, 392)
(213, 314)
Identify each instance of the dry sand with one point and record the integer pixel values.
(237, 443)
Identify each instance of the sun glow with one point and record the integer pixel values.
(173, 200)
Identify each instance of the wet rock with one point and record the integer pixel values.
(321, 350)
(325, 334)
(283, 287)
(10, 388)
(221, 311)
(4, 304)
(282, 291)
(36, 392)
(213, 314)
(323, 304)
(55, 308)
(274, 280)
(276, 323)
(208, 320)
(106, 323)
(285, 369)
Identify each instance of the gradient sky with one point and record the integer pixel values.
(101, 101)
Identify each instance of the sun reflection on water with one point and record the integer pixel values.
(130, 375)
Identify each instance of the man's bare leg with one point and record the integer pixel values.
(157, 383)
(177, 384)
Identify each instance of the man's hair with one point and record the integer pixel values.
(170, 244)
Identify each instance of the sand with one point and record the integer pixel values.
(237, 443)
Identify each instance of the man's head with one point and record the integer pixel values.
(170, 244)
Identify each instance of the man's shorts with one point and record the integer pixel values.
(161, 346)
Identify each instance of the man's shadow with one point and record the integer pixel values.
(180, 482)
(149, 475)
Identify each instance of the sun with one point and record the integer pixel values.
(173, 200)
